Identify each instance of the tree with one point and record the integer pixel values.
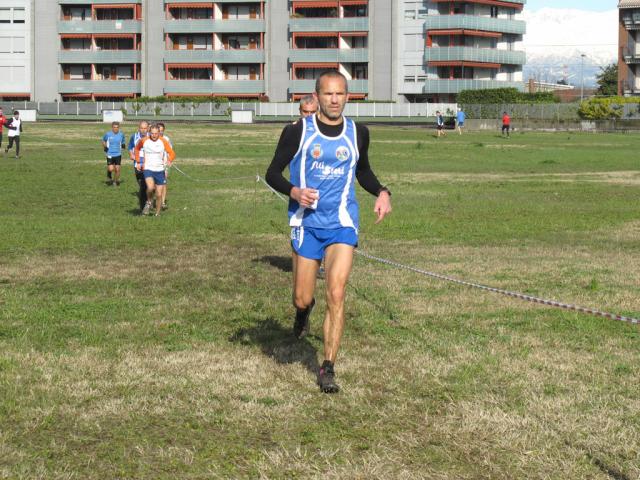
(607, 80)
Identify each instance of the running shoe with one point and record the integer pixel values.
(146, 209)
(327, 378)
(301, 324)
(164, 206)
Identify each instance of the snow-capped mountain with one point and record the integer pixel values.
(557, 38)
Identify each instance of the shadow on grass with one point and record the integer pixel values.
(281, 263)
(278, 343)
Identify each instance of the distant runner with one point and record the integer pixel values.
(113, 142)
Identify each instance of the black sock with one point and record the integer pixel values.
(108, 174)
(300, 312)
(327, 365)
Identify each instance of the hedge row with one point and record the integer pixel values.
(504, 96)
(605, 108)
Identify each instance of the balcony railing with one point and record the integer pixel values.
(214, 56)
(207, 87)
(351, 24)
(469, 54)
(100, 56)
(473, 22)
(100, 26)
(214, 26)
(631, 56)
(308, 86)
(338, 55)
(99, 86)
(457, 85)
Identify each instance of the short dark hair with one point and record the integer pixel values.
(115, 124)
(16, 112)
(160, 124)
(331, 74)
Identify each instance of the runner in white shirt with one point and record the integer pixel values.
(156, 152)
(168, 165)
(15, 128)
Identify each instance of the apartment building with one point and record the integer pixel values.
(15, 49)
(393, 50)
(446, 46)
(629, 47)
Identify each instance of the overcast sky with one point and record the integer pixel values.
(596, 5)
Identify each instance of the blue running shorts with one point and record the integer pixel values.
(311, 242)
(159, 178)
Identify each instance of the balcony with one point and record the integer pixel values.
(214, 26)
(631, 20)
(100, 56)
(337, 55)
(214, 56)
(308, 86)
(100, 26)
(207, 87)
(631, 56)
(351, 24)
(472, 22)
(99, 86)
(219, 1)
(457, 85)
(469, 54)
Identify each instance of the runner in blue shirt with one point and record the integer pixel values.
(113, 142)
(325, 153)
(460, 118)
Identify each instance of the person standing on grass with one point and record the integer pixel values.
(2, 120)
(440, 125)
(325, 153)
(168, 166)
(156, 152)
(14, 125)
(460, 118)
(113, 142)
(143, 130)
(506, 123)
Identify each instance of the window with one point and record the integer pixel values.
(18, 44)
(494, 12)
(5, 15)
(18, 15)
(423, 13)
(410, 14)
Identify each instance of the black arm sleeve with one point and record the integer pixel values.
(285, 151)
(366, 178)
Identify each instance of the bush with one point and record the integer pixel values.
(504, 96)
(605, 108)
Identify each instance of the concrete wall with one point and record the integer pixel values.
(153, 16)
(45, 51)
(381, 49)
(277, 45)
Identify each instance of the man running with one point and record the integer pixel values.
(113, 142)
(2, 120)
(167, 166)
(143, 129)
(15, 129)
(325, 153)
(308, 106)
(506, 123)
(156, 149)
(440, 125)
(460, 118)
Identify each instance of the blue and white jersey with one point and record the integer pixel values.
(327, 164)
(114, 142)
(133, 141)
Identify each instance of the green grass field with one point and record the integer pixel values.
(141, 347)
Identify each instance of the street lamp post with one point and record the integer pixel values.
(582, 55)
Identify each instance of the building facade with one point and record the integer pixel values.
(15, 49)
(629, 47)
(392, 50)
